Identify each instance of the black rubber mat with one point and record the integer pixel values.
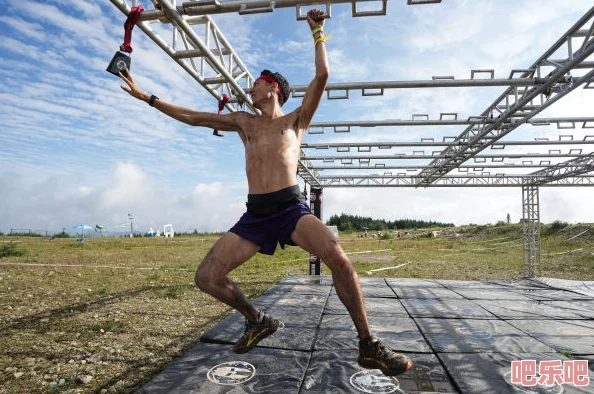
(465, 284)
(574, 336)
(583, 309)
(298, 333)
(527, 310)
(374, 291)
(558, 295)
(212, 369)
(322, 291)
(374, 307)
(477, 335)
(461, 336)
(337, 332)
(412, 282)
(338, 372)
(490, 373)
(373, 282)
(435, 293)
(318, 280)
(271, 301)
(577, 286)
(492, 294)
(445, 308)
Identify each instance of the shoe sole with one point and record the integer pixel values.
(370, 363)
(252, 344)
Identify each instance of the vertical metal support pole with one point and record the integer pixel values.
(131, 217)
(531, 230)
(315, 204)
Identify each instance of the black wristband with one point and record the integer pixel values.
(152, 100)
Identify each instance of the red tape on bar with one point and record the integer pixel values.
(128, 26)
(221, 107)
(222, 103)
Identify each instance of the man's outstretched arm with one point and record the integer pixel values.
(315, 90)
(228, 122)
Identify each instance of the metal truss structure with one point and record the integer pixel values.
(531, 230)
(463, 160)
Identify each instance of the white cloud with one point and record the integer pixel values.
(31, 30)
(129, 184)
(64, 200)
(459, 206)
(343, 69)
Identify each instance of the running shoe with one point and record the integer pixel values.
(374, 354)
(255, 332)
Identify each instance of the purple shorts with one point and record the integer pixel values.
(266, 230)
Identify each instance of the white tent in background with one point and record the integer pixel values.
(168, 231)
(82, 228)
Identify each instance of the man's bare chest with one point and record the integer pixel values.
(271, 132)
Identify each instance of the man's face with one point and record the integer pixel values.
(261, 91)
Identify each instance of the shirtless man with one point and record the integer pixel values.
(276, 212)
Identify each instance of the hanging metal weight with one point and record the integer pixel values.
(119, 63)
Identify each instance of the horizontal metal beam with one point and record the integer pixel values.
(450, 181)
(588, 140)
(404, 156)
(422, 120)
(464, 168)
(376, 88)
(242, 7)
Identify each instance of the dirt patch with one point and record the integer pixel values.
(107, 316)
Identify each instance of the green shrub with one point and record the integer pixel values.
(175, 291)
(62, 235)
(558, 225)
(25, 234)
(386, 235)
(10, 249)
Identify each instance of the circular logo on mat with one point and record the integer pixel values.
(231, 372)
(373, 381)
(574, 331)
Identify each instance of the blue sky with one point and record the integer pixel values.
(74, 148)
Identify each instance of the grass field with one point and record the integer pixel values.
(106, 315)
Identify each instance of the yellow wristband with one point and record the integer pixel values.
(314, 31)
(321, 39)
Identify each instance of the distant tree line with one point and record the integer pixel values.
(348, 223)
(196, 233)
(28, 233)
